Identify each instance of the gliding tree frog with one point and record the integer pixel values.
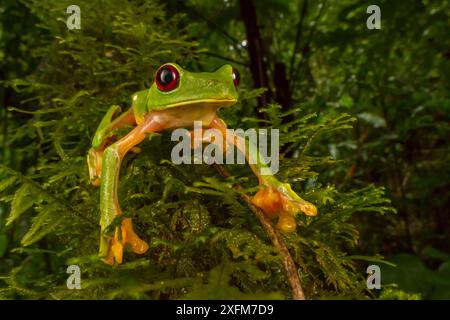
(176, 99)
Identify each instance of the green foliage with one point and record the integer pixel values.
(395, 294)
(220, 277)
(204, 241)
(412, 276)
(21, 201)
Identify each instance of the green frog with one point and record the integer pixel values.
(176, 99)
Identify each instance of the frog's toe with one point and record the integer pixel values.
(292, 203)
(130, 237)
(109, 259)
(282, 201)
(124, 236)
(136, 150)
(286, 223)
(115, 251)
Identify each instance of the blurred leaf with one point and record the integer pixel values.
(372, 119)
(435, 254)
(412, 276)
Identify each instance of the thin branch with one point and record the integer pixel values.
(289, 266)
(224, 58)
(212, 23)
(197, 13)
(298, 37)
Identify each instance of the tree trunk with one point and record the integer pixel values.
(255, 46)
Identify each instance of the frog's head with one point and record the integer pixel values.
(175, 87)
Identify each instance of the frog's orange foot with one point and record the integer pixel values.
(279, 199)
(122, 237)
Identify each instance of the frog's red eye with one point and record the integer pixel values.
(167, 77)
(235, 77)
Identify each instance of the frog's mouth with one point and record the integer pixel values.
(204, 102)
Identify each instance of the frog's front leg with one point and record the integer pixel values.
(103, 138)
(273, 197)
(112, 242)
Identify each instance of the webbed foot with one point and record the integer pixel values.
(279, 199)
(123, 236)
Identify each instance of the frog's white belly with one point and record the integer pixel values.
(184, 116)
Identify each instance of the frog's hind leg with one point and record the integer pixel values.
(113, 241)
(103, 137)
(274, 197)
